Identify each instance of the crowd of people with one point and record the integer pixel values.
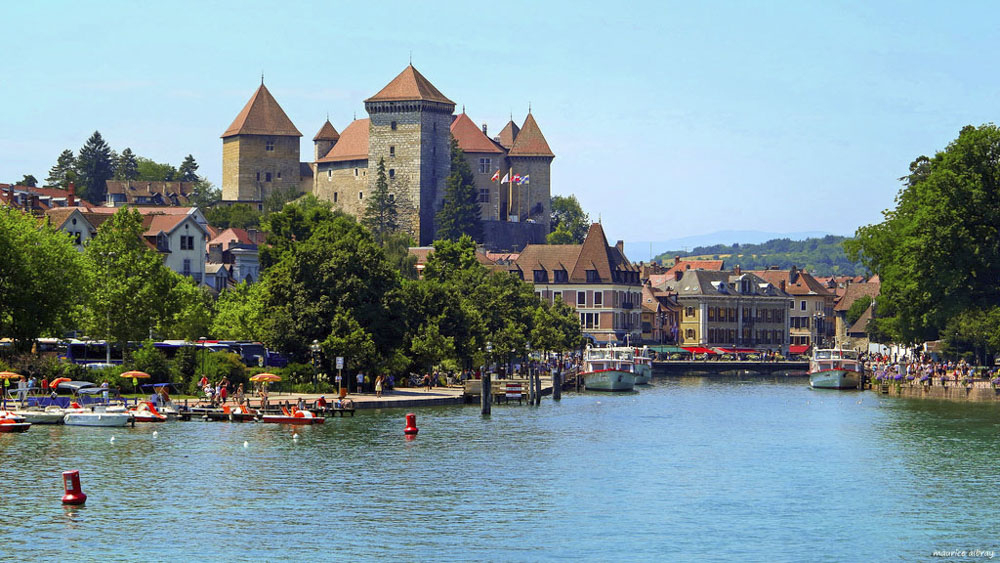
(926, 370)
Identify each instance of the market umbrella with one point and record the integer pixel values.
(265, 377)
(136, 376)
(6, 376)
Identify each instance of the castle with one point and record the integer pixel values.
(409, 127)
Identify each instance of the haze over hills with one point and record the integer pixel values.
(644, 250)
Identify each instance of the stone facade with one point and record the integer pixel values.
(254, 166)
(345, 184)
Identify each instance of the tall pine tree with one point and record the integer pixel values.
(380, 213)
(188, 170)
(94, 168)
(459, 215)
(128, 166)
(58, 173)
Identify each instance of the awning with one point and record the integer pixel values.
(666, 349)
(798, 349)
(698, 350)
(736, 350)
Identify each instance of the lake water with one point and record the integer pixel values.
(686, 469)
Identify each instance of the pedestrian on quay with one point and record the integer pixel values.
(223, 391)
(241, 396)
(361, 382)
(378, 387)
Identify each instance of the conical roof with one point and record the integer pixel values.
(530, 141)
(262, 116)
(410, 85)
(509, 134)
(471, 138)
(327, 133)
(353, 143)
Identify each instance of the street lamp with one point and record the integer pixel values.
(315, 360)
(489, 354)
(201, 341)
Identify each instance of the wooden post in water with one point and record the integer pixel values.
(486, 399)
(556, 384)
(531, 389)
(538, 384)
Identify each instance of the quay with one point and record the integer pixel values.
(726, 367)
(976, 391)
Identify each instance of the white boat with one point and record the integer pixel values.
(834, 369)
(98, 416)
(38, 415)
(608, 369)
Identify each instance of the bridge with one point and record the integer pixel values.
(721, 367)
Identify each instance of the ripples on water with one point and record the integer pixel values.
(686, 469)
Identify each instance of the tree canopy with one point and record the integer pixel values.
(569, 223)
(380, 214)
(94, 167)
(459, 214)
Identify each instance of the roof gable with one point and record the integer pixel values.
(262, 116)
(530, 141)
(327, 133)
(471, 138)
(410, 85)
(353, 143)
(508, 135)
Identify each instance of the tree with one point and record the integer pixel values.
(561, 236)
(397, 252)
(236, 216)
(206, 195)
(938, 252)
(568, 216)
(186, 313)
(857, 309)
(279, 197)
(239, 313)
(127, 301)
(188, 172)
(295, 223)
(150, 171)
(94, 168)
(42, 278)
(380, 212)
(128, 167)
(65, 164)
(459, 214)
(29, 181)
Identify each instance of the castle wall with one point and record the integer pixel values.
(341, 183)
(489, 210)
(246, 164)
(534, 198)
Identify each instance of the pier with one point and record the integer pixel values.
(720, 367)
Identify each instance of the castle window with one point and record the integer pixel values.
(361, 195)
(267, 176)
(258, 176)
(355, 172)
(392, 152)
(335, 197)
(484, 195)
(392, 197)
(484, 166)
(392, 125)
(392, 173)
(329, 173)
(269, 145)
(279, 175)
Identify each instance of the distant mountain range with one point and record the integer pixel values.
(642, 251)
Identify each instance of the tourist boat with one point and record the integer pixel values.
(608, 369)
(295, 417)
(37, 415)
(834, 369)
(97, 416)
(10, 422)
(146, 412)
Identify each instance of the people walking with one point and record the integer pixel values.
(361, 382)
(378, 386)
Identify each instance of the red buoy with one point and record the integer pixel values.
(71, 484)
(411, 425)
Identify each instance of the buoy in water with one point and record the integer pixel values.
(295, 436)
(246, 444)
(155, 433)
(112, 439)
(71, 487)
(411, 425)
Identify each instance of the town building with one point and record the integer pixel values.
(660, 315)
(237, 249)
(733, 310)
(662, 279)
(593, 278)
(72, 220)
(853, 335)
(37, 201)
(409, 128)
(146, 193)
(811, 320)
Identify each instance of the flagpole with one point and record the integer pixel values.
(510, 192)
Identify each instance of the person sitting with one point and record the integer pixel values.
(321, 402)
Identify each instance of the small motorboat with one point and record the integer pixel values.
(37, 415)
(294, 417)
(10, 422)
(146, 412)
(98, 416)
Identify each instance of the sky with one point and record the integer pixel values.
(668, 119)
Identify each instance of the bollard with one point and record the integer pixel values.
(556, 384)
(71, 486)
(411, 425)
(538, 387)
(485, 400)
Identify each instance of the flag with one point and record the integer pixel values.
(524, 179)
(496, 176)
(505, 178)
(516, 179)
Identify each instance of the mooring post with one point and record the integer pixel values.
(531, 389)
(486, 399)
(556, 384)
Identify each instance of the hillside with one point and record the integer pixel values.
(819, 256)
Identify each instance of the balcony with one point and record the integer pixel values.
(627, 305)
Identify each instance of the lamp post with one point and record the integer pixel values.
(315, 360)
(489, 354)
(202, 340)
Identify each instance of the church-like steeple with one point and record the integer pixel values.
(262, 116)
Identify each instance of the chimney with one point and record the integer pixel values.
(678, 274)
(793, 275)
(252, 235)
(781, 285)
(71, 198)
(620, 245)
(484, 131)
(677, 259)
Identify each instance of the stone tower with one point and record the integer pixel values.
(260, 151)
(409, 128)
(530, 155)
(324, 140)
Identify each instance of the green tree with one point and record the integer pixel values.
(459, 214)
(188, 172)
(150, 171)
(94, 168)
(561, 236)
(186, 313)
(130, 281)
(294, 223)
(567, 216)
(380, 214)
(279, 197)
(206, 195)
(65, 164)
(42, 278)
(938, 252)
(239, 313)
(128, 166)
(236, 216)
(857, 309)
(397, 252)
(28, 180)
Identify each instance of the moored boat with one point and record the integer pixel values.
(643, 366)
(38, 415)
(146, 412)
(834, 369)
(295, 417)
(608, 369)
(99, 416)
(10, 422)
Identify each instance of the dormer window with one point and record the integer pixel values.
(593, 276)
(560, 276)
(162, 242)
(541, 276)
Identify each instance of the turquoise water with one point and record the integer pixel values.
(685, 469)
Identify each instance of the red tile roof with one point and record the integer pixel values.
(855, 291)
(262, 116)
(167, 194)
(530, 141)
(353, 143)
(508, 134)
(681, 265)
(327, 133)
(471, 138)
(237, 236)
(410, 85)
(576, 259)
(804, 283)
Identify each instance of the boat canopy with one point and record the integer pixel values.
(75, 386)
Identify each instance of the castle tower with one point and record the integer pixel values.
(484, 157)
(260, 151)
(409, 128)
(530, 156)
(324, 140)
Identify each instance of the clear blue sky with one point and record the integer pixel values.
(668, 119)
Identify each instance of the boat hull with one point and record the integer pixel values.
(609, 380)
(109, 419)
(41, 417)
(643, 374)
(300, 420)
(834, 379)
(6, 427)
